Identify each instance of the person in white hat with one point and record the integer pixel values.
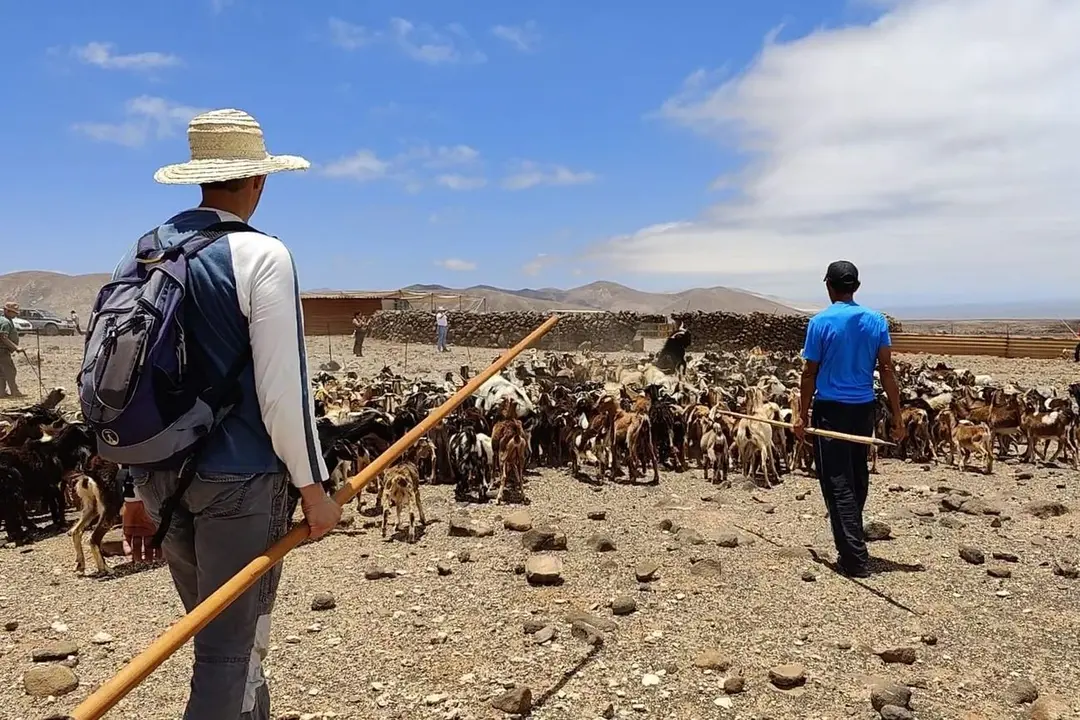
(245, 288)
(442, 325)
(9, 345)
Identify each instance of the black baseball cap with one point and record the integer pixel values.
(842, 275)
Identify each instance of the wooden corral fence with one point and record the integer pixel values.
(1003, 346)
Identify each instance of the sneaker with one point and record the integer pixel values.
(859, 572)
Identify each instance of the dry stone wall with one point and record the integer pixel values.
(734, 331)
(603, 331)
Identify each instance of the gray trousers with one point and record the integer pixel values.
(7, 374)
(222, 523)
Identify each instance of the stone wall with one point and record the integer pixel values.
(734, 331)
(605, 331)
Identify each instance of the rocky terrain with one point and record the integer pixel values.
(680, 602)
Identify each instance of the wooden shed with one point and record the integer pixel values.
(331, 313)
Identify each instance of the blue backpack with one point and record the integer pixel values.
(147, 405)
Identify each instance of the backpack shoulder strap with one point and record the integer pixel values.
(202, 239)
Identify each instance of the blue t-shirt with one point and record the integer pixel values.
(844, 340)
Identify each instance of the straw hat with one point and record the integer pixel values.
(226, 145)
(11, 306)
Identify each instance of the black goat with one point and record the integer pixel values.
(672, 357)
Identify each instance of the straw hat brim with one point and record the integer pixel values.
(199, 172)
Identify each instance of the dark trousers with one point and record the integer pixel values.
(844, 476)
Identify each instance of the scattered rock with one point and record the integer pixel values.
(102, 638)
(586, 632)
(376, 572)
(49, 681)
(1021, 692)
(712, 660)
(543, 539)
(978, 506)
(793, 552)
(601, 542)
(608, 712)
(669, 525)
(788, 677)
(597, 515)
(734, 685)
(1066, 568)
(877, 530)
(973, 555)
(54, 652)
(11, 626)
(929, 639)
(533, 626)
(727, 539)
(1048, 708)
(464, 556)
(623, 605)
(444, 569)
(808, 576)
(895, 712)
(903, 655)
(1006, 557)
(518, 521)
(999, 571)
(515, 702)
(646, 571)
(884, 693)
(688, 536)
(706, 567)
(924, 511)
(544, 570)
(544, 634)
(952, 502)
(462, 525)
(112, 545)
(951, 522)
(650, 680)
(1044, 509)
(325, 600)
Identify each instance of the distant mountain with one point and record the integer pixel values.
(613, 297)
(52, 291)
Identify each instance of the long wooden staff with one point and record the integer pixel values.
(106, 696)
(862, 440)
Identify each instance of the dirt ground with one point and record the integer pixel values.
(426, 644)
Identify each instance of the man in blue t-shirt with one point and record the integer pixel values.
(844, 343)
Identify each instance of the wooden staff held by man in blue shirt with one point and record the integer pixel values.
(844, 343)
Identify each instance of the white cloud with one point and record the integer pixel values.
(424, 43)
(456, 264)
(349, 36)
(104, 55)
(523, 37)
(936, 144)
(538, 264)
(146, 118)
(362, 166)
(414, 168)
(529, 174)
(461, 182)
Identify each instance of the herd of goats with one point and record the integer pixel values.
(558, 410)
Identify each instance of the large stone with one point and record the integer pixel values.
(788, 677)
(49, 680)
(543, 539)
(1066, 568)
(514, 702)
(544, 570)
(623, 605)
(706, 567)
(973, 555)
(518, 521)
(323, 601)
(895, 712)
(1021, 692)
(1045, 509)
(885, 692)
(463, 526)
(897, 655)
(876, 530)
(646, 570)
(580, 616)
(712, 660)
(601, 542)
(56, 651)
(689, 536)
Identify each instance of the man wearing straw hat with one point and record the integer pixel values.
(9, 345)
(844, 343)
(245, 288)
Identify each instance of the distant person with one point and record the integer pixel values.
(442, 325)
(844, 342)
(359, 331)
(75, 322)
(230, 453)
(9, 345)
(1076, 353)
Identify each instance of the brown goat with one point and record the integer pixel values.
(968, 437)
(512, 452)
(401, 488)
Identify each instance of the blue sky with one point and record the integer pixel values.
(554, 143)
